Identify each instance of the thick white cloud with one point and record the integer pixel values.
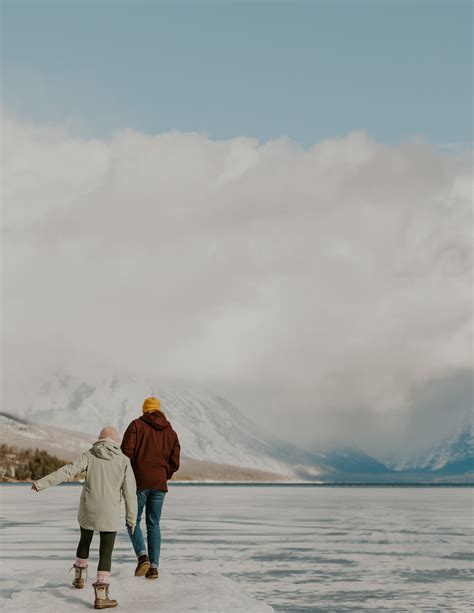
(335, 278)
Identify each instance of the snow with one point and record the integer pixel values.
(294, 548)
(50, 590)
(39, 537)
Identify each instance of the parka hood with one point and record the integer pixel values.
(106, 449)
(156, 420)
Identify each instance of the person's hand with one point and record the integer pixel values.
(131, 528)
(34, 487)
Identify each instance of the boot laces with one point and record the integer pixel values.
(81, 569)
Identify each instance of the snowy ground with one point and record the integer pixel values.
(51, 591)
(297, 549)
(38, 539)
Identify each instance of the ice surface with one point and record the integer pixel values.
(39, 536)
(298, 549)
(50, 590)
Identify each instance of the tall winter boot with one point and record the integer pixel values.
(80, 576)
(102, 597)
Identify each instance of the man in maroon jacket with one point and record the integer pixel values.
(153, 448)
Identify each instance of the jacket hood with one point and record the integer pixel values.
(106, 449)
(156, 420)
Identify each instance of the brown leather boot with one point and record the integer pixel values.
(152, 573)
(102, 598)
(80, 576)
(142, 566)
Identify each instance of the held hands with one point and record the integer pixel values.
(131, 528)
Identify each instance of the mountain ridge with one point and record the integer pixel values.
(213, 430)
(452, 454)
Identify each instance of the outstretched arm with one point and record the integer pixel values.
(66, 472)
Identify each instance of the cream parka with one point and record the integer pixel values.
(109, 476)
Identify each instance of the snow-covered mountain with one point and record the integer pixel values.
(210, 428)
(453, 455)
(65, 444)
(213, 430)
(349, 461)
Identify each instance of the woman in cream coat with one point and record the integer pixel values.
(108, 477)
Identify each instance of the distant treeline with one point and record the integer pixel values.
(26, 464)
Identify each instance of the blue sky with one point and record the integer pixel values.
(309, 70)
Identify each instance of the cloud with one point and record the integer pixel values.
(303, 281)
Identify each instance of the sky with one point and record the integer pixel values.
(271, 199)
(306, 70)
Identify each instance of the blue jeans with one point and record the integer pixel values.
(152, 501)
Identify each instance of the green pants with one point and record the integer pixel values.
(107, 541)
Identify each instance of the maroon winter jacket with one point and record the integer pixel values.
(153, 448)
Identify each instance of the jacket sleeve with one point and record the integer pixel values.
(173, 461)
(129, 493)
(66, 472)
(129, 441)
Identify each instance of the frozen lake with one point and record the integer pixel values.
(295, 548)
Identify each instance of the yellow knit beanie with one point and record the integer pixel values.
(151, 404)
